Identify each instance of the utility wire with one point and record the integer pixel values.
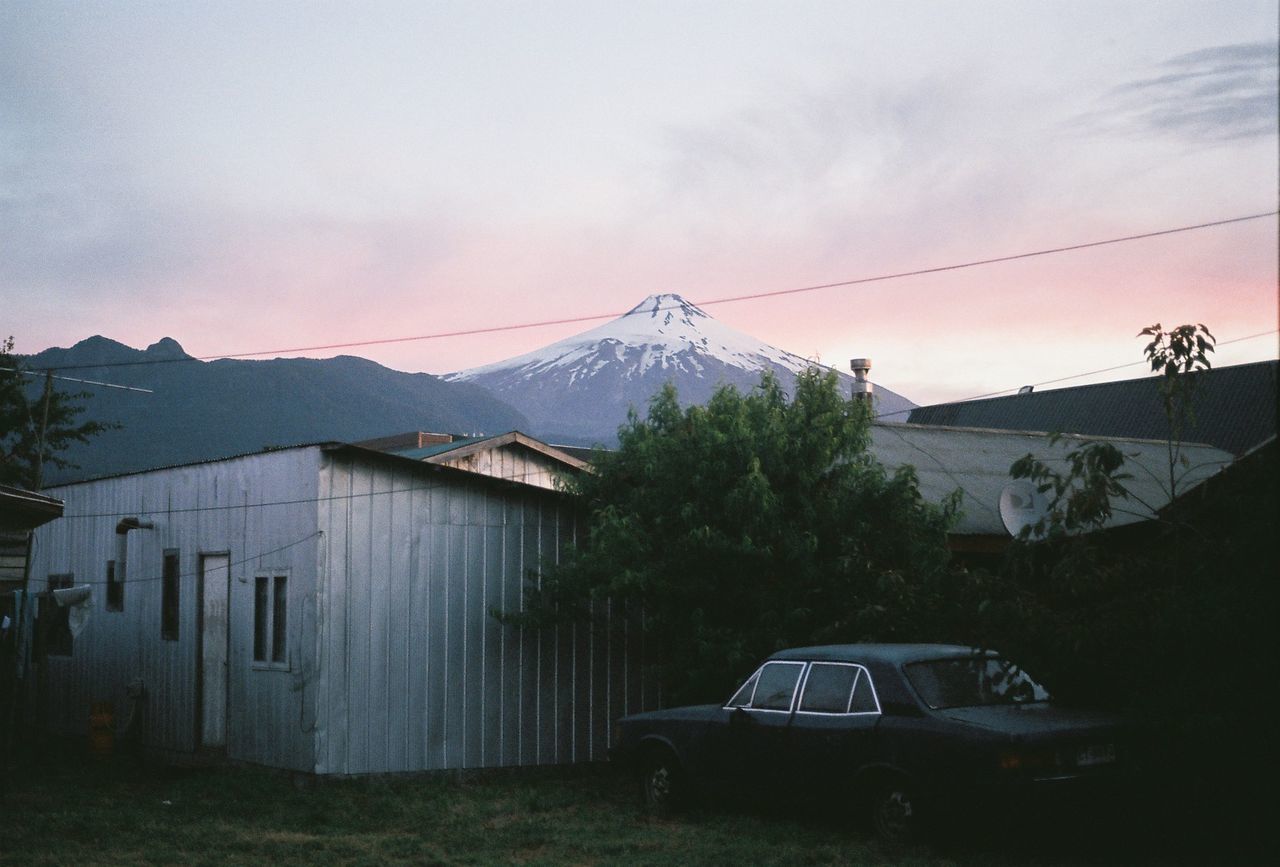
(518, 326)
(1078, 375)
(37, 372)
(127, 580)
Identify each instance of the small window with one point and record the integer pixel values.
(864, 697)
(777, 685)
(170, 584)
(270, 619)
(742, 698)
(828, 688)
(58, 640)
(278, 608)
(115, 588)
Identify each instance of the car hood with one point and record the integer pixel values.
(694, 712)
(1035, 719)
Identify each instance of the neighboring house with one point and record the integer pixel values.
(512, 456)
(1234, 408)
(326, 608)
(21, 511)
(977, 463)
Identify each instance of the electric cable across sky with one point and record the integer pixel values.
(596, 317)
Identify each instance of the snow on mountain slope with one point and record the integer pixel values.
(580, 388)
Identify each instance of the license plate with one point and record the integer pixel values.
(1098, 754)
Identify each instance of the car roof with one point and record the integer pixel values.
(892, 654)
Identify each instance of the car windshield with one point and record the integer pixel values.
(972, 681)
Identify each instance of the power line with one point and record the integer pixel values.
(35, 372)
(570, 320)
(128, 580)
(1084, 374)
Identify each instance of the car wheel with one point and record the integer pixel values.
(895, 812)
(662, 786)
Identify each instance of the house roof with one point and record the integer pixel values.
(464, 446)
(1234, 409)
(977, 461)
(21, 509)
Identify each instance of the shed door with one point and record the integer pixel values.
(214, 635)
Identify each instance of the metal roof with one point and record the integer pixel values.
(891, 654)
(1234, 409)
(977, 462)
(21, 509)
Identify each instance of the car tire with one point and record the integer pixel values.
(662, 783)
(895, 811)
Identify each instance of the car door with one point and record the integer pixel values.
(749, 752)
(833, 730)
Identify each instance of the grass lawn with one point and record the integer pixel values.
(69, 809)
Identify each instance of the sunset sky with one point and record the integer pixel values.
(261, 176)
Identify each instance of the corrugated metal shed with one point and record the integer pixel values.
(386, 571)
(977, 462)
(1235, 409)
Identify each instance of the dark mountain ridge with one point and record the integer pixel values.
(202, 410)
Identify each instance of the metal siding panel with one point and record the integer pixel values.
(513, 643)
(376, 674)
(400, 576)
(337, 648)
(437, 694)
(493, 634)
(358, 615)
(473, 674)
(418, 623)
(548, 670)
(455, 664)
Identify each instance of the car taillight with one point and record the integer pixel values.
(1028, 760)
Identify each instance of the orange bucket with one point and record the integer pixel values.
(102, 728)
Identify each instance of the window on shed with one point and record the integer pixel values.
(115, 588)
(169, 586)
(270, 619)
(58, 637)
(828, 688)
(777, 685)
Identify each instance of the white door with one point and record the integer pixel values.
(215, 583)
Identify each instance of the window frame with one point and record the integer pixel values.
(113, 597)
(271, 619)
(171, 595)
(795, 692)
(853, 690)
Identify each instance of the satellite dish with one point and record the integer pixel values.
(1021, 505)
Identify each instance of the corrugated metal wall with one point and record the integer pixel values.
(219, 507)
(394, 662)
(414, 672)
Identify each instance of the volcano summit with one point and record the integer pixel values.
(579, 389)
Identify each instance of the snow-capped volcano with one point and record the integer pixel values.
(580, 388)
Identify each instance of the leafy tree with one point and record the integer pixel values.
(746, 525)
(1081, 499)
(36, 425)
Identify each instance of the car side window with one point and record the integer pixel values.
(777, 685)
(828, 688)
(742, 698)
(864, 696)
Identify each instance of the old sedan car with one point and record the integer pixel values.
(901, 733)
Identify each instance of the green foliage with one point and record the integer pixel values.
(1080, 499)
(746, 525)
(35, 425)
